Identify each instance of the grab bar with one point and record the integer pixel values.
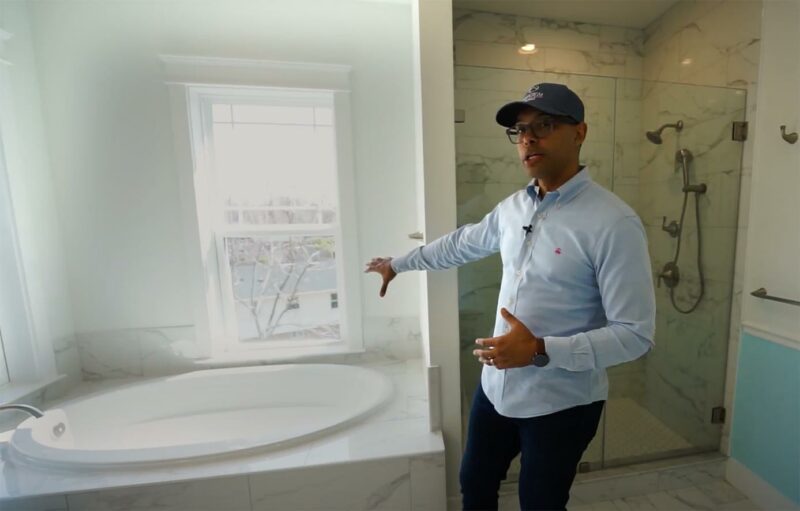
(762, 293)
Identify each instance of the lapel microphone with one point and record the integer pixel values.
(528, 229)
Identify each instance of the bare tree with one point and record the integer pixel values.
(293, 259)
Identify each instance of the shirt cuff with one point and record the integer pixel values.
(571, 353)
(399, 264)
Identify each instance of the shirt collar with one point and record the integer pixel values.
(566, 190)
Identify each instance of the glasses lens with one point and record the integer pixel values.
(514, 134)
(543, 128)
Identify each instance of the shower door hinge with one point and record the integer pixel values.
(718, 415)
(461, 116)
(739, 132)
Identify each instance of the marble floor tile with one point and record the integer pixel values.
(704, 488)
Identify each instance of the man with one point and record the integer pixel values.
(576, 297)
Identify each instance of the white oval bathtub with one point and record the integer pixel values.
(203, 413)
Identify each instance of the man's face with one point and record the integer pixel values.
(551, 154)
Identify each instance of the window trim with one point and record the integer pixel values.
(190, 80)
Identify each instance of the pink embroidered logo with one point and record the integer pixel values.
(558, 250)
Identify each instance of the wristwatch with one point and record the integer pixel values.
(540, 359)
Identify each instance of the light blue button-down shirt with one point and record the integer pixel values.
(580, 279)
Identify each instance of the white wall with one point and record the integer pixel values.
(764, 449)
(773, 241)
(109, 129)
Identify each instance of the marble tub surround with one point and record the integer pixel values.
(398, 434)
(405, 482)
(148, 352)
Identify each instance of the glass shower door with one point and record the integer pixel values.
(667, 403)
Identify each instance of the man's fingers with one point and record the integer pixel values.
(484, 353)
(383, 288)
(489, 343)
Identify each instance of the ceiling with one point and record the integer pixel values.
(620, 13)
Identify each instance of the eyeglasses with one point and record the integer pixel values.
(539, 129)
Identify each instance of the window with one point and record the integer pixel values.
(267, 182)
(271, 220)
(274, 211)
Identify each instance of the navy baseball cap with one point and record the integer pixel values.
(549, 98)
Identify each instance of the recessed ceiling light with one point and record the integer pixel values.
(687, 62)
(527, 49)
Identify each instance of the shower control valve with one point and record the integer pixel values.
(673, 229)
(670, 275)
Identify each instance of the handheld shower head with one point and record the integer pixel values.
(655, 136)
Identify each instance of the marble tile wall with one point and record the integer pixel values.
(492, 40)
(68, 363)
(709, 42)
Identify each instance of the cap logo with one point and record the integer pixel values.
(533, 94)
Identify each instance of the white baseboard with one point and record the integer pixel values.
(757, 490)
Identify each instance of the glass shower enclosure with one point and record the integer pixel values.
(668, 403)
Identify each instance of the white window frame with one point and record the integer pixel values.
(194, 84)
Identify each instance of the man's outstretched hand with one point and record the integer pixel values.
(382, 265)
(515, 348)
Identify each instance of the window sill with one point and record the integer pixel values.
(12, 392)
(274, 356)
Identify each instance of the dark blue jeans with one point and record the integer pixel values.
(551, 447)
